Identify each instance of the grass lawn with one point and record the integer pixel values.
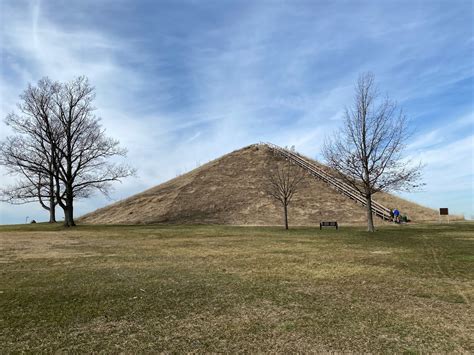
(220, 288)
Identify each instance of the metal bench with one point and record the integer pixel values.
(328, 224)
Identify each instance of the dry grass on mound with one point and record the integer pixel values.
(231, 190)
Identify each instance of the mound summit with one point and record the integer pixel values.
(231, 190)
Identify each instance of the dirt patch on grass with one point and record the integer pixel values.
(41, 246)
(105, 327)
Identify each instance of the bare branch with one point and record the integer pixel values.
(60, 150)
(282, 183)
(367, 151)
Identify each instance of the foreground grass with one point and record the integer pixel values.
(208, 288)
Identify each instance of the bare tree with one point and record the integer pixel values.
(31, 189)
(28, 155)
(367, 151)
(82, 163)
(58, 136)
(282, 184)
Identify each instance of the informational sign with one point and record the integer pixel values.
(443, 212)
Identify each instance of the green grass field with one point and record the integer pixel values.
(215, 288)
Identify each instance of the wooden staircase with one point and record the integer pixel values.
(315, 171)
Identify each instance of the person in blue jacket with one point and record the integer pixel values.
(396, 214)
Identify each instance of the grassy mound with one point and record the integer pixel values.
(230, 190)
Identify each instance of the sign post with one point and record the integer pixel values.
(443, 212)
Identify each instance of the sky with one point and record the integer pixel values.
(180, 83)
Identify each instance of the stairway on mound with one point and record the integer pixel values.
(315, 171)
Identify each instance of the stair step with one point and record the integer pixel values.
(378, 209)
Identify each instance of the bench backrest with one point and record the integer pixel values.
(328, 224)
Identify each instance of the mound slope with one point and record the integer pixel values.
(231, 190)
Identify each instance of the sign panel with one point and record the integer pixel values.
(443, 211)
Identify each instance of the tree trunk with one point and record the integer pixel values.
(52, 201)
(69, 217)
(286, 215)
(370, 220)
(52, 213)
(69, 210)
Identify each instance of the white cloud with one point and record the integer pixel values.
(448, 155)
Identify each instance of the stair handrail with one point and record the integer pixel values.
(335, 179)
(345, 188)
(348, 190)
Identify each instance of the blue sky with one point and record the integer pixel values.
(180, 83)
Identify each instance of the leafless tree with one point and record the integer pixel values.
(63, 139)
(32, 188)
(28, 155)
(367, 151)
(82, 150)
(282, 184)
